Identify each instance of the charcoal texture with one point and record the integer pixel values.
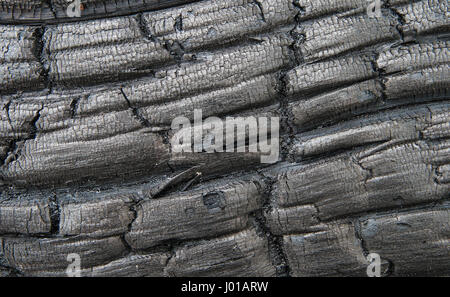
(87, 165)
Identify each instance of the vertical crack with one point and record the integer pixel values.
(358, 235)
(287, 126)
(176, 49)
(143, 27)
(41, 54)
(6, 108)
(74, 107)
(51, 7)
(275, 243)
(178, 26)
(387, 266)
(33, 122)
(15, 145)
(132, 208)
(400, 19)
(135, 111)
(368, 171)
(172, 254)
(261, 9)
(380, 76)
(55, 215)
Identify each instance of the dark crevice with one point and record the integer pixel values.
(439, 178)
(369, 171)
(390, 269)
(317, 215)
(128, 248)
(172, 253)
(387, 266)
(380, 76)
(165, 134)
(191, 182)
(174, 47)
(12, 153)
(132, 209)
(400, 19)
(191, 175)
(176, 50)
(74, 107)
(275, 243)
(15, 145)
(287, 126)
(135, 110)
(357, 226)
(301, 9)
(261, 9)
(298, 37)
(178, 26)
(50, 6)
(6, 108)
(33, 122)
(145, 32)
(5, 156)
(41, 54)
(55, 215)
(12, 272)
(171, 246)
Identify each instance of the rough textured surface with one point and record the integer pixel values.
(87, 167)
(53, 11)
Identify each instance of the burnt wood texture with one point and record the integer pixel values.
(86, 164)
